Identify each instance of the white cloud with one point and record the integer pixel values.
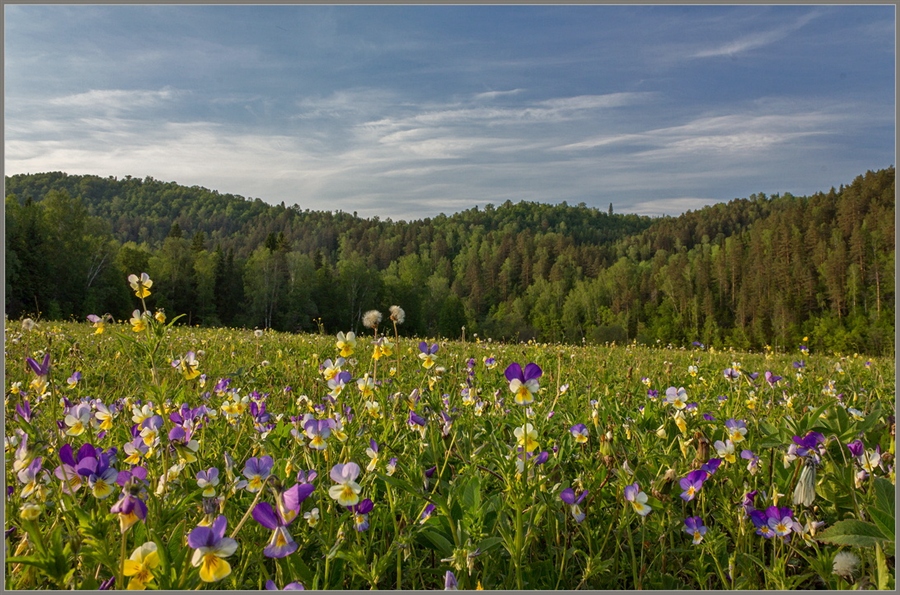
(755, 40)
(115, 99)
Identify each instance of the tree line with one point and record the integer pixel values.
(748, 273)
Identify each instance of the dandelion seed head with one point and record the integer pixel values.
(371, 319)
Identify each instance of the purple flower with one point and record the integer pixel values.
(424, 348)
(41, 370)
(568, 496)
(809, 443)
(800, 365)
(691, 484)
(361, 514)
(711, 465)
(731, 374)
(210, 547)
(257, 470)
(541, 458)
(523, 384)
(653, 393)
(772, 378)
(450, 583)
(748, 501)
(580, 432)
(23, 410)
(856, 448)
(753, 458)
(130, 509)
(638, 499)
(708, 417)
(295, 586)
(426, 514)
(318, 431)
(107, 584)
(281, 543)
(694, 527)
(415, 419)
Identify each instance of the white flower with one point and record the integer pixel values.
(845, 564)
(397, 314)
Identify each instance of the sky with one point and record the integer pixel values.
(408, 111)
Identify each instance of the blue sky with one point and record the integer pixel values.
(409, 111)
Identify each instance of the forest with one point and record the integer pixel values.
(776, 271)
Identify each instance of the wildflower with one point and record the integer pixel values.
(426, 514)
(677, 397)
(318, 432)
(870, 460)
(97, 323)
(141, 285)
(41, 372)
(366, 386)
(257, 470)
(580, 432)
(383, 348)
(680, 421)
(732, 373)
(28, 324)
(30, 511)
(568, 496)
(372, 319)
(372, 453)
(346, 343)
(523, 384)
(160, 316)
(211, 547)
(78, 419)
(526, 437)
(361, 514)
(337, 382)
(692, 370)
(208, 480)
(694, 527)
(189, 366)
(450, 583)
(346, 492)
(312, 517)
(490, 362)
(34, 477)
(139, 321)
(753, 465)
(74, 379)
(856, 448)
(281, 543)
(845, 564)
(725, 450)
(397, 314)
(294, 586)
(691, 484)
(737, 430)
(771, 378)
(427, 354)
(130, 509)
(23, 410)
(638, 499)
(391, 466)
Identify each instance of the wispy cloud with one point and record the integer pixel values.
(755, 40)
(115, 99)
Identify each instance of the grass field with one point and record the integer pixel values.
(147, 455)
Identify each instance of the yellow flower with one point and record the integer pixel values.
(160, 316)
(526, 437)
(140, 565)
(141, 285)
(346, 343)
(138, 321)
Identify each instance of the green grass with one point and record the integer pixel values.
(498, 522)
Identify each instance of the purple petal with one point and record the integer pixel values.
(265, 515)
(532, 372)
(513, 372)
(294, 496)
(201, 537)
(65, 455)
(567, 496)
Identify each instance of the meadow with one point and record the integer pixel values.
(146, 454)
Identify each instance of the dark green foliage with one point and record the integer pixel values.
(752, 272)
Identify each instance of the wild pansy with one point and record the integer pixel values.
(523, 383)
(366, 386)
(774, 521)
(257, 470)
(188, 365)
(312, 517)
(331, 369)
(23, 410)
(694, 527)
(138, 321)
(737, 430)
(295, 586)
(336, 384)
(383, 348)
(725, 450)
(677, 397)
(711, 465)
(732, 373)
(771, 378)
(753, 464)
(812, 444)
(208, 480)
(211, 547)
(130, 508)
(140, 285)
(568, 496)
(638, 499)
(580, 432)
(78, 419)
(372, 453)
(526, 438)
(450, 582)
(74, 379)
(101, 476)
(139, 566)
(104, 415)
(426, 514)
(346, 343)
(691, 484)
(67, 472)
(391, 466)
(97, 323)
(150, 428)
(41, 372)
(281, 543)
(428, 354)
(346, 492)
(34, 477)
(361, 514)
(856, 448)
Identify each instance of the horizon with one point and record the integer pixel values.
(407, 111)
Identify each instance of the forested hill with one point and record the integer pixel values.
(753, 272)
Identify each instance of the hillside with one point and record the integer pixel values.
(752, 272)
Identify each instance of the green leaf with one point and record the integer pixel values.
(441, 543)
(854, 533)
